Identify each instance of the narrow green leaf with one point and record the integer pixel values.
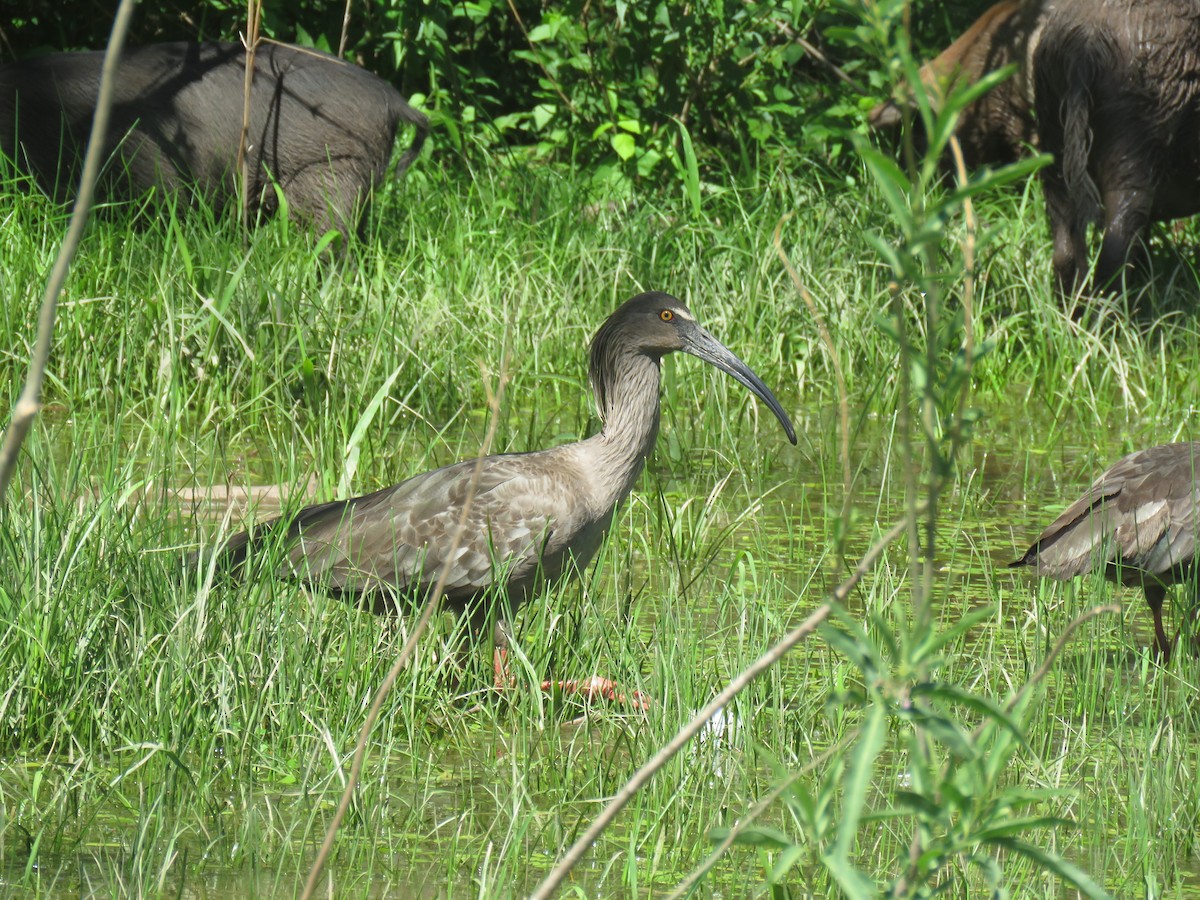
(1056, 864)
(691, 181)
(858, 778)
(892, 181)
(937, 638)
(754, 836)
(1013, 827)
(852, 882)
(788, 857)
(365, 418)
(989, 709)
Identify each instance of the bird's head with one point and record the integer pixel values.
(655, 324)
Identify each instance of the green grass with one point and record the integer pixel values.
(157, 733)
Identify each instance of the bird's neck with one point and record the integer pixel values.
(629, 407)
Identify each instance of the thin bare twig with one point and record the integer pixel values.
(345, 31)
(576, 851)
(250, 42)
(30, 401)
(968, 252)
(360, 751)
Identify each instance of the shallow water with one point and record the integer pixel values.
(1006, 493)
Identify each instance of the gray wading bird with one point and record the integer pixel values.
(1137, 523)
(536, 518)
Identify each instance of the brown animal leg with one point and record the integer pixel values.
(1127, 213)
(1155, 595)
(1068, 227)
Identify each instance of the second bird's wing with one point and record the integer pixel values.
(1141, 514)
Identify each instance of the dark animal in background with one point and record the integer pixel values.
(1117, 87)
(536, 517)
(1114, 86)
(996, 128)
(1137, 523)
(323, 129)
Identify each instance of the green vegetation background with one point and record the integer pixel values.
(158, 739)
(603, 85)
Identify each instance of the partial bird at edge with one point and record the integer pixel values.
(1137, 523)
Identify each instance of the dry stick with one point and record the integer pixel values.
(345, 31)
(360, 750)
(685, 734)
(843, 399)
(968, 252)
(250, 42)
(685, 887)
(29, 403)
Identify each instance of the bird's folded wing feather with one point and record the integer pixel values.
(1140, 513)
(401, 537)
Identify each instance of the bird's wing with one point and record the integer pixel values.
(1154, 528)
(1140, 513)
(399, 538)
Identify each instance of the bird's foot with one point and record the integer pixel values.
(598, 688)
(504, 678)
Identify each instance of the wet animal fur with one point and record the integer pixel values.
(1114, 90)
(1117, 87)
(996, 128)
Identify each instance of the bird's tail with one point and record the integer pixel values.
(1027, 559)
(231, 558)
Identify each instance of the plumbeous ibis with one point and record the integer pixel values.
(536, 517)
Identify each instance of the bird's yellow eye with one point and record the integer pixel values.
(666, 315)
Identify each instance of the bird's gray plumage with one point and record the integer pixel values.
(535, 517)
(1137, 523)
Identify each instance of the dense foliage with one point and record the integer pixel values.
(627, 90)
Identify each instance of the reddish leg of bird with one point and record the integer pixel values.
(594, 688)
(504, 679)
(598, 688)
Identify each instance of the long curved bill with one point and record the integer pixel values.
(701, 344)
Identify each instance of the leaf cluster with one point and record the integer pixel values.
(634, 92)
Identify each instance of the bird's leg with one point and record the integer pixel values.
(594, 688)
(504, 678)
(1155, 595)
